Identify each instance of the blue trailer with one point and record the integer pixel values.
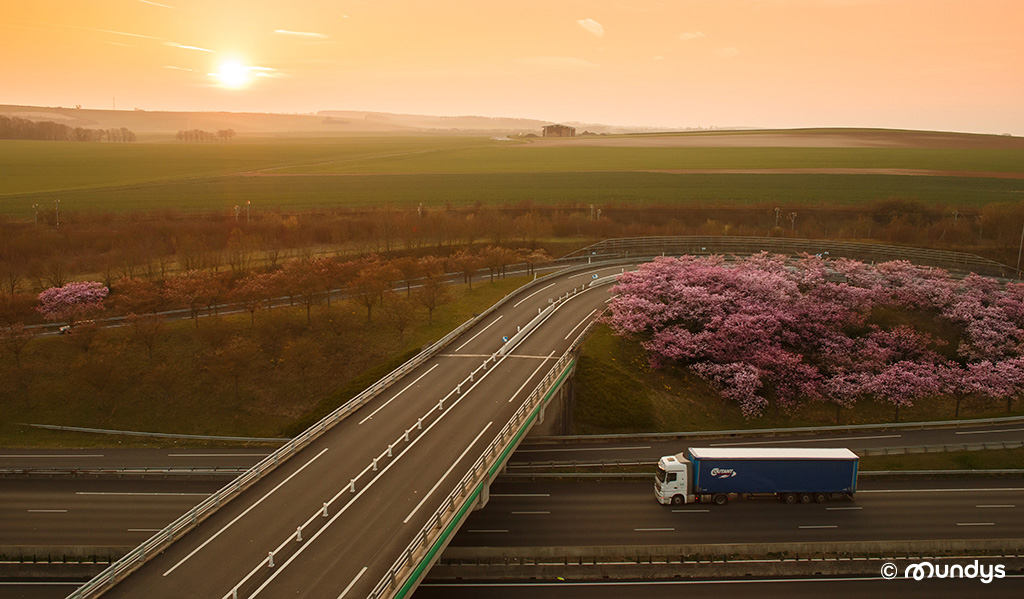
(794, 475)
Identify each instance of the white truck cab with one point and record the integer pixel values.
(671, 484)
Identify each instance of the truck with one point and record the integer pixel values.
(793, 475)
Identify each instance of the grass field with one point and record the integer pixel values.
(303, 174)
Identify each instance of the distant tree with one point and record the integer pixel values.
(147, 330)
(301, 354)
(135, 296)
(433, 291)
(192, 290)
(14, 339)
(400, 314)
(251, 292)
(71, 302)
(370, 284)
(466, 263)
(233, 359)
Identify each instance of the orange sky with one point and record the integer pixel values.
(920, 64)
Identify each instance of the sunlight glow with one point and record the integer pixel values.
(232, 73)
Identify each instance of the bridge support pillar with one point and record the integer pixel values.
(484, 496)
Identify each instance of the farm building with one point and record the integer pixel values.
(559, 131)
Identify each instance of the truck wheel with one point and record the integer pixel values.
(720, 499)
(820, 497)
(677, 500)
(805, 498)
(789, 498)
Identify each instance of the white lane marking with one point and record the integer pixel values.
(217, 455)
(366, 487)
(975, 523)
(806, 440)
(820, 526)
(142, 494)
(996, 506)
(47, 511)
(385, 404)
(516, 305)
(653, 529)
(249, 509)
(445, 475)
(479, 332)
(941, 490)
(18, 455)
(520, 494)
(690, 511)
(353, 583)
(583, 449)
(528, 513)
(487, 531)
(529, 378)
(832, 509)
(1004, 430)
(519, 356)
(585, 319)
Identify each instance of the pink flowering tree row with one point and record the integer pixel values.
(770, 329)
(72, 302)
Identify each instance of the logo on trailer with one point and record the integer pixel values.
(723, 472)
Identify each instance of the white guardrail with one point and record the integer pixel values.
(160, 540)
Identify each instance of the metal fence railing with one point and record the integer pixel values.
(723, 245)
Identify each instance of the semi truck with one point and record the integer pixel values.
(718, 474)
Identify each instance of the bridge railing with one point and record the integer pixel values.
(398, 580)
(727, 245)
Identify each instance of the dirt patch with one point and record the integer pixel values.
(796, 138)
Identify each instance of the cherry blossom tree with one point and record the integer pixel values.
(72, 302)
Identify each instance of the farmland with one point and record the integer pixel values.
(831, 168)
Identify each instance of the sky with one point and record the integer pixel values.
(951, 65)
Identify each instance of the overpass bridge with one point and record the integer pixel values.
(363, 502)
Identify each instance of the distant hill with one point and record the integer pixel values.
(325, 122)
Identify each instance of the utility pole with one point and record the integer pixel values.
(56, 211)
(247, 204)
(36, 208)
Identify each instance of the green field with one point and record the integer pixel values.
(310, 173)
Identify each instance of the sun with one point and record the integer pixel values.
(232, 73)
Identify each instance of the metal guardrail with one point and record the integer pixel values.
(794, 430)
(440, 525)
(914, 449)
(121, 472)
(707, 245)
(187, 521)
(104, 431)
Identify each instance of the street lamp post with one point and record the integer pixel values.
(237, 210)
(247, 203)
(56, 211)
(35, 207)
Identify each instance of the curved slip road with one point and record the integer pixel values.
(369, 523)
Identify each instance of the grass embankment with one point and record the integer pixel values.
(224, 377)
(618, 392)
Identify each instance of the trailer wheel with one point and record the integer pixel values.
(820, 497)
(789, 498)
(805, 498)
(720, 499)
(678, 500)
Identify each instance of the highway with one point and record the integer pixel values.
(376, 503)
(626, 513)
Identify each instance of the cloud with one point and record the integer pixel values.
(727, 52)
(592, 26)
(158, 4)
(691, 35)
(658, 58)
(301, 33)
(558, 62)
(180, 68)
(184, 47)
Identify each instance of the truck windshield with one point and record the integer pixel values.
(660, 474)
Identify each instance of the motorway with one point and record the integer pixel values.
(375, 503)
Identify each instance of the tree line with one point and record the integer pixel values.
(19, 128)
(198, 135)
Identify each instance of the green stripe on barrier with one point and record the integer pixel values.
(476, 492)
